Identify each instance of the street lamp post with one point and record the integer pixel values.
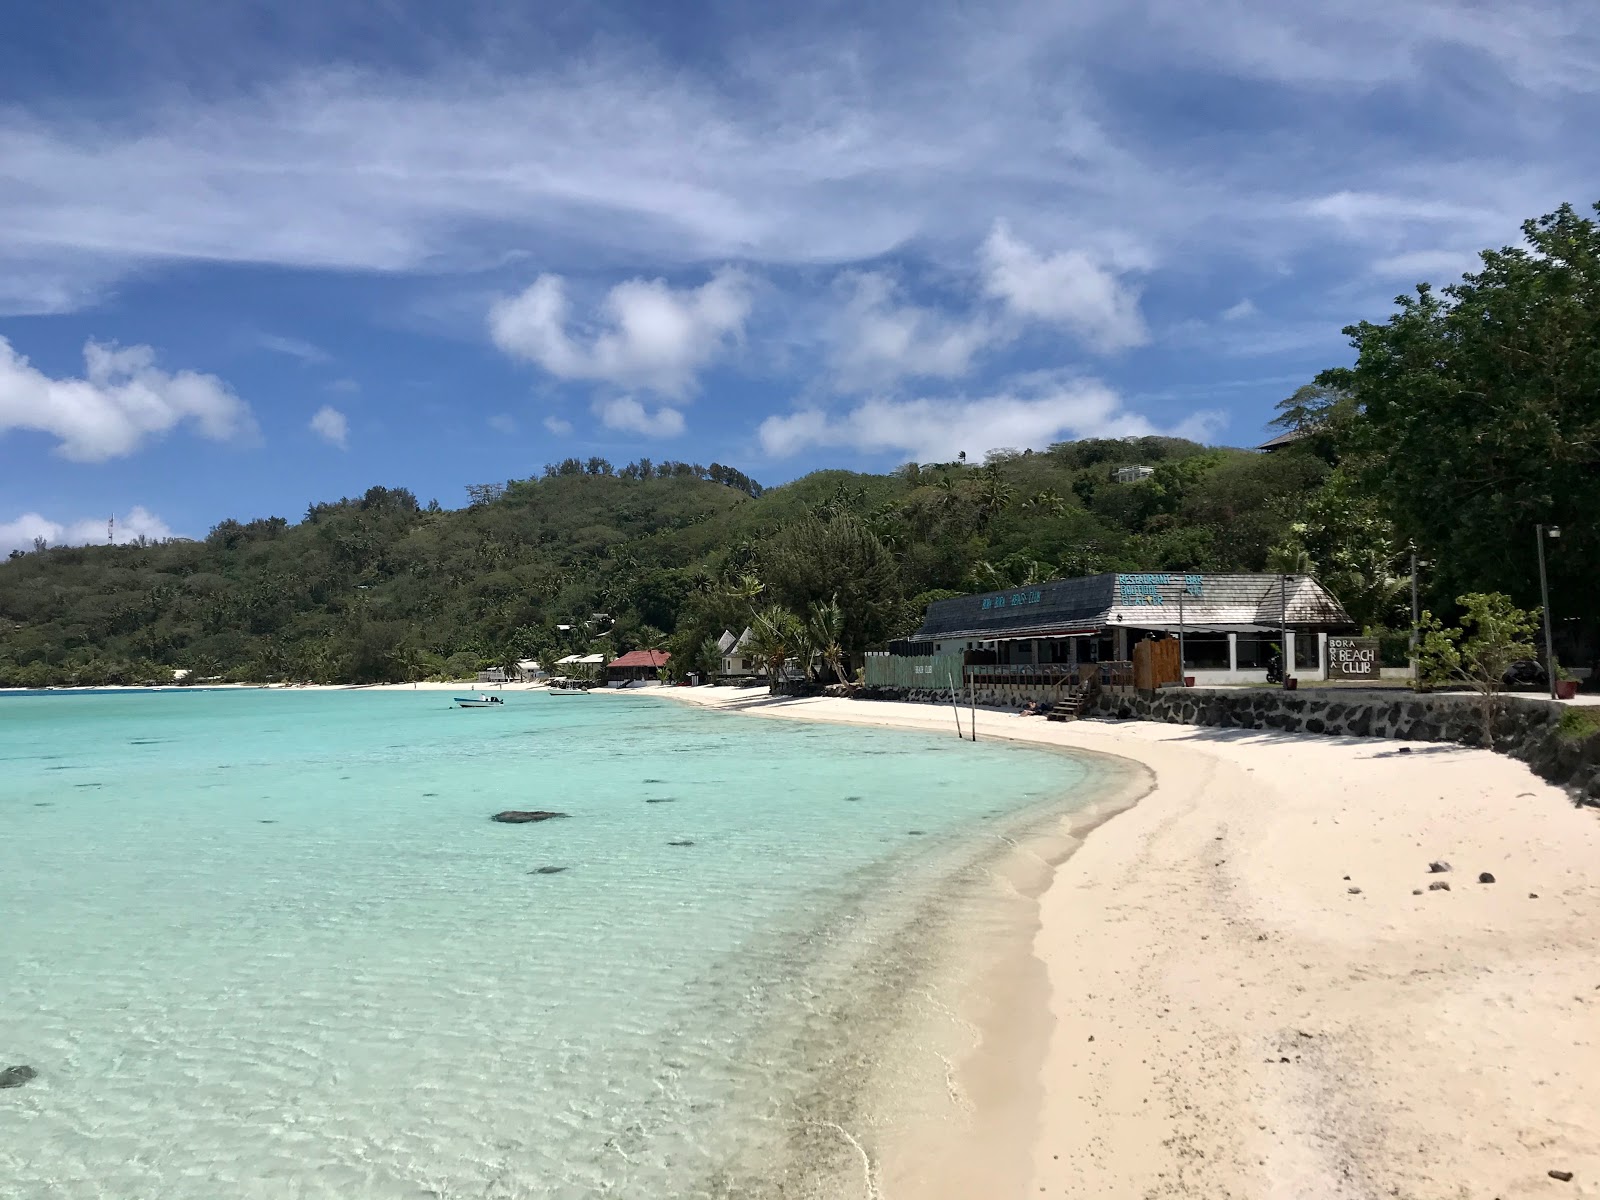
(1181, 663)
(1542, 532)
(1416, 615)
(1283, 630)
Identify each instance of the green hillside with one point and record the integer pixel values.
(379, 587)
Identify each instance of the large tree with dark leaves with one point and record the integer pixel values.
(1481, 416)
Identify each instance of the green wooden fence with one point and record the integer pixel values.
(931, 671)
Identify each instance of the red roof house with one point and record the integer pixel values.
(637, 664)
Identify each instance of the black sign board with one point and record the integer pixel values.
(1352, 658)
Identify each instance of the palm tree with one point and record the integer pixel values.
(407, 661)
(994, 494)
(1045, 502)
(825, 632)
(776, 636)
(746, 589)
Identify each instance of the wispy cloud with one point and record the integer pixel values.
(332, 426)
(627, 415)
(834, 150)
(294, 348)
(1071, 288)
(559, 426)
(503, 423)
(650, 335)
(1026, 413)
(878, 337)
(122, 399)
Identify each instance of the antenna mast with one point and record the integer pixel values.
(111, 530)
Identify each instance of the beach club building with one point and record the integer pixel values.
(1229, 626)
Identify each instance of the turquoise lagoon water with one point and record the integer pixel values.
(268, 944)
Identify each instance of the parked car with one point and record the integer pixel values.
(1526, 672)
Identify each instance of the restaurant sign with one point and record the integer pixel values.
(1352, 658)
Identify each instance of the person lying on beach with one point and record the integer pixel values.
(1031, 709)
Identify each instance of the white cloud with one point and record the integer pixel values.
(122, 399)
(130, 526)
(332, 426)
(294, 348)
(626, 414)
(812, 145)
(1241, 311)
(1070, 288)
(650, 335)
(558, 426)
(876, 339)
(1031, 413)
(503, 423)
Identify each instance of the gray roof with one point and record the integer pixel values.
(1283, 439)
(1154, 601)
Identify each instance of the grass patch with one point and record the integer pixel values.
(1580, 723)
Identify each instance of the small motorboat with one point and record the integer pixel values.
(478, 701)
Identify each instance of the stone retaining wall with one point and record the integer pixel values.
(1528, 729)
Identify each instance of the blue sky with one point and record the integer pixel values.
(256, 255)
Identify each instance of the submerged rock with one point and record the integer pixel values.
(513, 816)
(659, 800)
(682, 842)
(17, 1076)
(547, 871)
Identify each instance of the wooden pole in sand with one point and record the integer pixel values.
(972, 701)
(955, 703)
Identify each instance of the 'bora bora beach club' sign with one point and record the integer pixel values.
(1352, 658)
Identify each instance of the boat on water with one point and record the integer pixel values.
(479, 701)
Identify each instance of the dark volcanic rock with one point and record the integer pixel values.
(17, 1076)
(1436, 868)
(1438, 885)
(1563, 1176)
(514, 816)
(1485, 877)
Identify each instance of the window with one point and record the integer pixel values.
(1255, 650)
(1305, 651)
(1206, 651)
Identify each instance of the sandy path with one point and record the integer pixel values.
(1445, 1044)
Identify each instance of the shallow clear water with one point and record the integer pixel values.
(268, 944)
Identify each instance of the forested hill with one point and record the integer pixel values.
(1469, 420)
(379, 587)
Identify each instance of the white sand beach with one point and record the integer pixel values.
(1253, 992)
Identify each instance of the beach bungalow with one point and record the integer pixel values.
(636, 666)
(736, 664)
(1228, 626)
(581, 666)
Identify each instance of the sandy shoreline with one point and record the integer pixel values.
(1232, 1016)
